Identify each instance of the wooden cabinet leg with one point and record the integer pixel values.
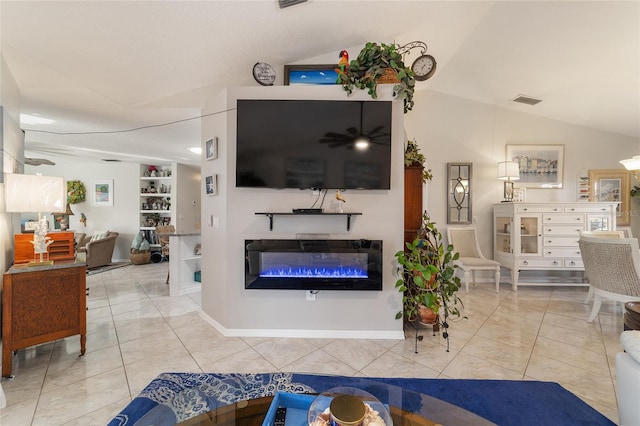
(7, 360)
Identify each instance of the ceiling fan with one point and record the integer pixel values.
(354, 137)
(38, 162)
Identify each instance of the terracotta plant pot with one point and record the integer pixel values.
(427, 315)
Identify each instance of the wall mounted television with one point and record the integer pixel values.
(313, 144)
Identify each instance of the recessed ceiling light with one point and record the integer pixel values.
(195, 149)
(34, 119)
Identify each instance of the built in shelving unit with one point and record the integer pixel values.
(184, 261)
(156, 206)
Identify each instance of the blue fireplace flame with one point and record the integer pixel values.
(305, 272)
(314, 265)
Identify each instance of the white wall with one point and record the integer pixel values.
(187, 199)
(11, 148)
(451, 129)
(121, 218)
(236, 311)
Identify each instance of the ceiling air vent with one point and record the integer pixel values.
(527, 100)
(287, 3)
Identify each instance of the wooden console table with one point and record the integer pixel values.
(41, 304)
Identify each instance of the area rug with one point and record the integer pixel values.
(106, 268)
(175, 397)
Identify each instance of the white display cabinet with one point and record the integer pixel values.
(544, 236)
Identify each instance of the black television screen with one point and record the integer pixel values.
(313, 144)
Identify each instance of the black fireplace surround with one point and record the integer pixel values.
(276, 264)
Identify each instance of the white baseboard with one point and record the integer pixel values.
(317, 334)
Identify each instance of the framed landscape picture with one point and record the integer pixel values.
(102, 193)
(612, 185)
(541, 166)
(310, 74)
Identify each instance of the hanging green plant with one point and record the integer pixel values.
(413, 157)
(76, 192)
(378, 63)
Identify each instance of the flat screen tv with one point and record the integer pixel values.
(319, 144)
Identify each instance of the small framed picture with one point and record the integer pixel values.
(211, 148)
(102, 193)
(211, 185)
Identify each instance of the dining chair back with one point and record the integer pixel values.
(465, 242)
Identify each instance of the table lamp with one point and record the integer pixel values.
(36, 194)
(508, 171)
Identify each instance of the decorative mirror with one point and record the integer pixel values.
(459, 193)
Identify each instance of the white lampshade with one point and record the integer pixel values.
(32, 193)
(508, 170)
(631, 163)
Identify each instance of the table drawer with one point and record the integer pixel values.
(562, 230)
(553, 241)
(563, 218)
(540, 263)
(561, 252)
(586, 209)
(539, 209)
(574, 263)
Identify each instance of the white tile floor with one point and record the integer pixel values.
(135, 331)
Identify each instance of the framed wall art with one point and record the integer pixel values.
(310, 74)
(211, 185)
(612, 185)
(459, 193)
(211, 148)
(102, 193)
(541, 166)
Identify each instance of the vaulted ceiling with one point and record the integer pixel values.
(99, 68)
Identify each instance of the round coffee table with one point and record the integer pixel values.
(406, 408)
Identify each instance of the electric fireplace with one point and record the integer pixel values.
(313, 264)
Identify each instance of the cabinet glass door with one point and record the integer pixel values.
(598, 223)
(502, 235)
(529, 231)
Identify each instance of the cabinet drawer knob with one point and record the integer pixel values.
(525, 262)
(572, 263)
(555, 262)
(573, 209)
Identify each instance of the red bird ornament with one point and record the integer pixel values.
(343, 64)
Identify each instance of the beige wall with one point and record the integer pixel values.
(451, 129)
(237, 311)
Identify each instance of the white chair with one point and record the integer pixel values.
(628, 378)
(464, 241)
(612, 266)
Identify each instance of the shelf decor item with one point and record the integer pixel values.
(380, 64)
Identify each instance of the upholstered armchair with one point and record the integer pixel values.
(98, 251)
(612, 266)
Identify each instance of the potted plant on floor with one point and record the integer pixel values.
(428, 281)
(380, 63)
